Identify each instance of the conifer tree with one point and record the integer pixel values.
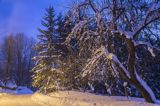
(64, 26)
(63, 29)
(47, 74)
(60, 27)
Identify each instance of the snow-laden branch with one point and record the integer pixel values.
(78, 27)
(145, 85)
(115, 60)
(93, 61)
(153, 8)
(122, 33)
(116, 64)
(45, 57)
(76, 30)
(149, 46)
(115, 69)
(138, 43)
(152, 15)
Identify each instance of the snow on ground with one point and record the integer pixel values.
(16, 100)
(9, 84)
(19, 90)
(23, 90)
(69, 98)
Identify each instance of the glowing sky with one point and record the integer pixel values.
(25, 15)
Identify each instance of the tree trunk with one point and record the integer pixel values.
(138, 82)
(146, 94)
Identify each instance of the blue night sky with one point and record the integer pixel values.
(25, 15)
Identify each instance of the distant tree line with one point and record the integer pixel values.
(16, 60)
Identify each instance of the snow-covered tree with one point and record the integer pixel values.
(128, 21)
(47, 73)
(60, 28)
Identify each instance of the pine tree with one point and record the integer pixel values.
(63, 29)
(47, 75)
(60, 27)
(64, 26)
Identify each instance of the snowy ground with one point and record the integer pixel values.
(17, 100)
(68, 98)
(19, 90)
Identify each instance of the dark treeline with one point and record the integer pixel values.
(16, 59)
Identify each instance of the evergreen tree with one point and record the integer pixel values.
(60, 27)
(47, 74)
(63, 29)
(64, 26)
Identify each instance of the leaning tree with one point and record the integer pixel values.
(129, 21)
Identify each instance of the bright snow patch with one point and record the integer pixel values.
(151, 51)
(69, 98)
(23, 90)
(125, 84)
(74, 98)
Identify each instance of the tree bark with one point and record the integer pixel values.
(131, 69)
(143, 91)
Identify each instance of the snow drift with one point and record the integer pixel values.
(74, 98)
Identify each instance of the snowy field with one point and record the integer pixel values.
(69, 98)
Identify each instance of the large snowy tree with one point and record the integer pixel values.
(129, 21)
(47, 74)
